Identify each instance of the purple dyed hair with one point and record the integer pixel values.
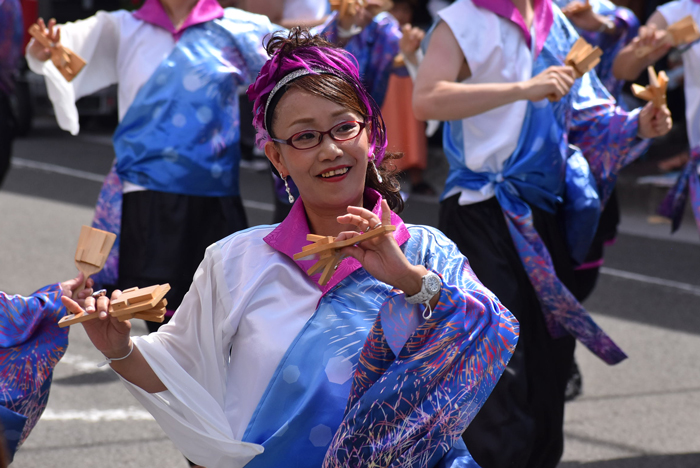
(338, 62)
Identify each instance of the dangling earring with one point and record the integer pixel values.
(376, 172)
(289, 192)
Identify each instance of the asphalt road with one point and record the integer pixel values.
(641, 413)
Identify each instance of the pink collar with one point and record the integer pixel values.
(153, 12)
(290, 236)
(543, 20)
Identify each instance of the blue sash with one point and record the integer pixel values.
(181, 133)
(309, 391)
(535, 174)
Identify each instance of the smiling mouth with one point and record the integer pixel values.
(335, 173)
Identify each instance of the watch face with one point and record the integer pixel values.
(432, 284)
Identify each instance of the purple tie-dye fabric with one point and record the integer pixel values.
(688, 183)
(108, 217)
(31, 344)
(627, 27)
(564, 314)
(607, 136)
(11, 28)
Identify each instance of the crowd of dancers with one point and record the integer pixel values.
(445, 346)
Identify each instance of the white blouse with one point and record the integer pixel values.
(250, 301)
(491, 137)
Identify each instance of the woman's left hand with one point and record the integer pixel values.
(381, 256)
(654, 121)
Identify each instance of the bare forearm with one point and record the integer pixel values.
(136, 370)
(456, 101)
(628, 66)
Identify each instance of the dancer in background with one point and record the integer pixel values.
(174, 189)
(628, 66)
(514, 182)
(263, 357)
(405, 133)
(31, 344)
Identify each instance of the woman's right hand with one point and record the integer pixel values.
(53, 34)
(554, 83)
(110, 336)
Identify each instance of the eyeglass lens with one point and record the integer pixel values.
(341, 132)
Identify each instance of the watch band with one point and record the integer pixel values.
(430, 286)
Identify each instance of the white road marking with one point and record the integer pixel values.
(131, 413)
(81, 363)
(91, 176)
(56, 169)
(689, 288)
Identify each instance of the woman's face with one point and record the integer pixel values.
(330, 176)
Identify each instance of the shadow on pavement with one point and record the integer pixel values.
(684, 460)
(92, 378)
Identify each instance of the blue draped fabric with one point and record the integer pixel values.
(582, 207)
(455, 357)
(13, 427)
(31, 344)
(181, 134)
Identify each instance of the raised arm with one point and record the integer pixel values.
(440, 93)
(96, 40)
(627, 65)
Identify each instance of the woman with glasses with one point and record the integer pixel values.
(386, 363)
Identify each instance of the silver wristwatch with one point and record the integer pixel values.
(431, 285)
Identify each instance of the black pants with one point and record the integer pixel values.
(586, 279)
(7, 134)
(164, 236)
(521, 423)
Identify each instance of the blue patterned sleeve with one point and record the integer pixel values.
(20, 316)
(412, 406)
(605, 133)
(31, 344)
(374, 48)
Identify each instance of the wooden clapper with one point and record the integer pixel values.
(681, 32)
(328, 251)
(656, 91)
(582, 58)
(92, 252)
(145, 303)
(66, 61)
(574, 8)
